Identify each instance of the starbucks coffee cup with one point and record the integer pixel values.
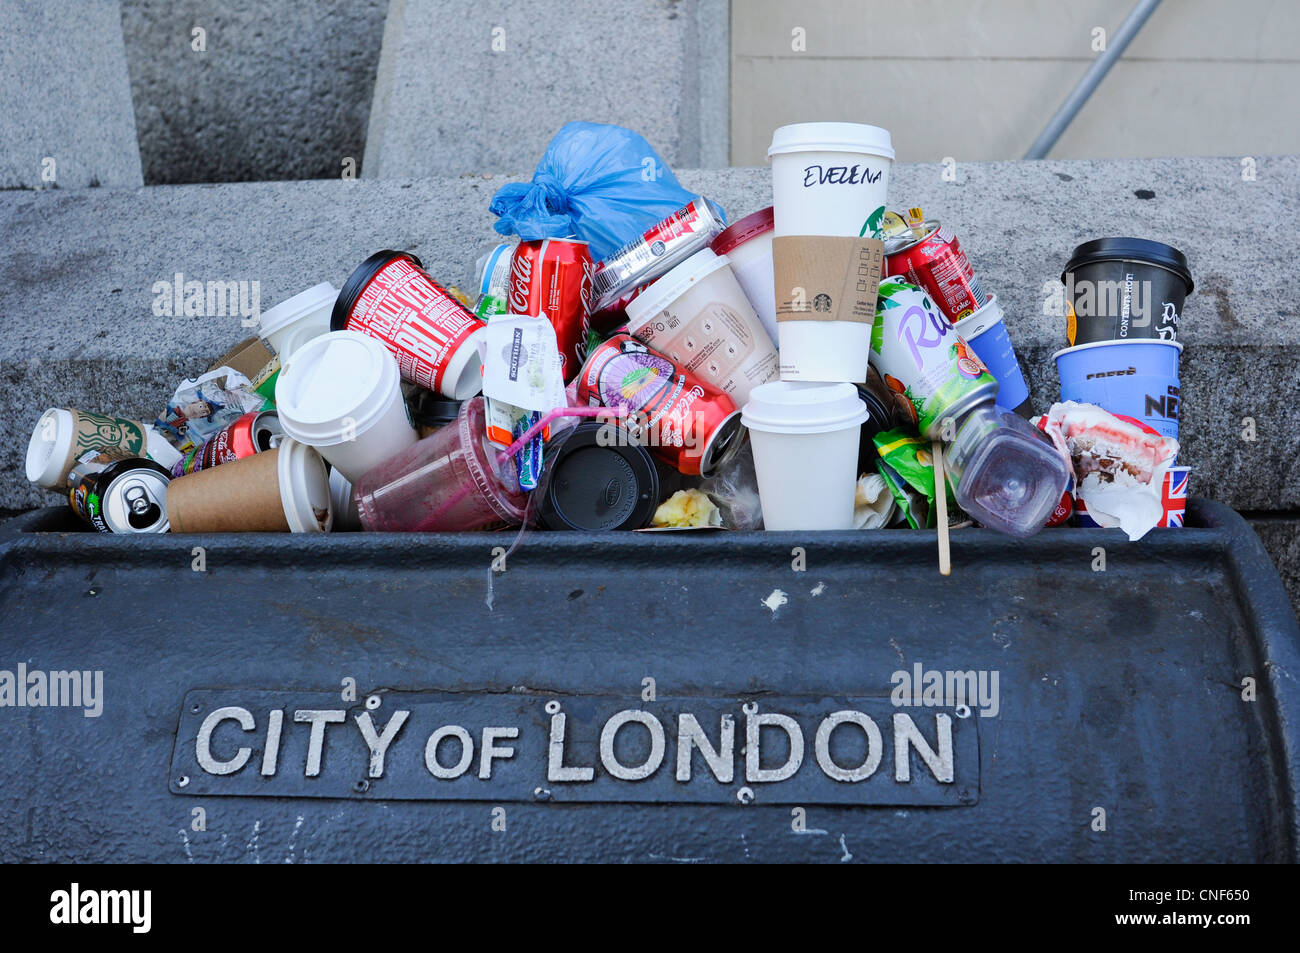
(805, 439)
(294, 322)
(341, 393)
(830, 178)
(61, 436)
(829, 184)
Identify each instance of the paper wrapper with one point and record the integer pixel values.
(873, 504)
(1133, 498)
(242, 496)
(826, 277)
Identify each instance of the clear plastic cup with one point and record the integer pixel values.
(448, 482)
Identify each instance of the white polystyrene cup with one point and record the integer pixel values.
(341, 393)
(805, 439)
(828, 178)
(297, 320)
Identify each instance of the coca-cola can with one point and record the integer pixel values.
(936, 264)
(662, 247)
(252, 433)
(684, 421)
(551, 278)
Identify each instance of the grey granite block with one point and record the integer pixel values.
(67, 120)
(462, 88)
(278, 91)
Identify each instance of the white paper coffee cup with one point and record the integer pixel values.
(830, 178)
(294, 322)
(699, 316)
(341, 393)
(805, 439)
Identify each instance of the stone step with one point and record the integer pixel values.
(68, 121)
(486, 85)
(78, 274)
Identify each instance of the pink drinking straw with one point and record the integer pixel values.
(519, 444)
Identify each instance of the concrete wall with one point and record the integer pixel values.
(282, 91)
(979, 79)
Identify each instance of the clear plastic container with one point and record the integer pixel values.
(1004, 473)
(448, 482)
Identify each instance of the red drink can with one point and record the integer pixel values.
(252, 433)
(686, 422)
(937, 264)
(551, 278)
(391, 298)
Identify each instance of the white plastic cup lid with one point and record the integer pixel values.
(798, 407)
(333, 386)
(980, 320)
(832, 137)
(49, 446)
(286, 312)
(675, 283)
(304, 488)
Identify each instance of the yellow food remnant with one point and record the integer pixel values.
(686, 508)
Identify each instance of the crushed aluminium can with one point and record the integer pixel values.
(936, 263)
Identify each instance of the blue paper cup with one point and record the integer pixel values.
(1136, 378)
(986, 332)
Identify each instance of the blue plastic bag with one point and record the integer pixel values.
(601, 183)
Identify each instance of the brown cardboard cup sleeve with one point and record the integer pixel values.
(826, 277)
(242, 496)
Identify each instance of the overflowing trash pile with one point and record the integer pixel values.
(634, 362)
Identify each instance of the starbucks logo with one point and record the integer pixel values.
(822, 303)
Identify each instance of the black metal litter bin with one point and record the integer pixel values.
(691, 697)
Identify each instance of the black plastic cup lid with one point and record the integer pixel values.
(595, 488)
(1131, 249)
(434, 410)
(358, 280)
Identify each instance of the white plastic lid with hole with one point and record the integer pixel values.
(342, 375)
(285, 313)
(832, 137)
(304, 488)
(803, 407)
(664, 291)
(980, 320)
(49, 446)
